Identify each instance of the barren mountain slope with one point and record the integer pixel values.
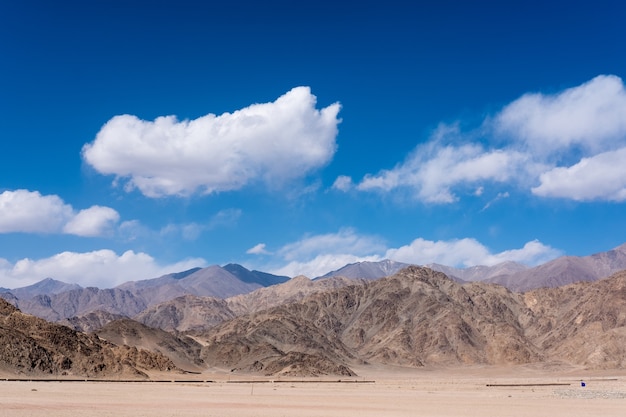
(583, 323)
(415, 317)
(30, 345)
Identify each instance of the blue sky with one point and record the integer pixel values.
(140, 138)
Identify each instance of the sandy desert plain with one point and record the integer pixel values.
(465, 391)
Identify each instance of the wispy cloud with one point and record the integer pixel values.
(272, 142)
(258, 249)
(570, 145)
(24, 211)
(193, 230)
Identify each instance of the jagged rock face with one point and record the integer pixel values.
(31, 345)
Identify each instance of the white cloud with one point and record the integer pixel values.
(30, 212)
(468, 252)
(317, 255)
(591, 116)
(258, 249)
(533, 253)
(434, 169)
(560, 141)
(94, 221)
(342, 183)
(272, 142)
(600, 177)
(24, 211)
(102, 268)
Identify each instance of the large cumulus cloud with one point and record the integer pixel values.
(273, 143)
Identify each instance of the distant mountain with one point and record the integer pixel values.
(213, 281)
(480, 272)
(258, 277)
(367, 270)
(565, 270)
(46, 286)
(56, 307)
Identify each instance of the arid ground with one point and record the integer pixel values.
(476, 391)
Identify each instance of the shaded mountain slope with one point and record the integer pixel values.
(258, 277)
(183, 351)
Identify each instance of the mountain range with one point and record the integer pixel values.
(568, 312)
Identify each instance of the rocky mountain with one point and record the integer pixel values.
(32, 346)
(367, 270)
(565, 270)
